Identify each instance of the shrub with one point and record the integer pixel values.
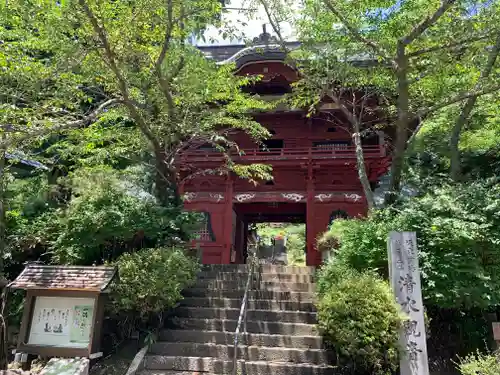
(457, 235)
(107, 213)
(480, 364)
(359, 318)
(151, 281)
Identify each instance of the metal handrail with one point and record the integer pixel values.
(242, 319)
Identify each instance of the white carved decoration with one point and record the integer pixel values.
(188, 197)
(244, 197)
(218, 197)
(354, 197)
(293, 196)
(323, 197)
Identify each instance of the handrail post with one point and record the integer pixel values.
(243, 312)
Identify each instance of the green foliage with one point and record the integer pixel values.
(122, 79)
(359, 318)
(107, 213)
(458, 239)
(482, 134)
(372, 29)
(479, 364)
(151, 280)
(295, 239)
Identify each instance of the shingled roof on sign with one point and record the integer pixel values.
(93, 279)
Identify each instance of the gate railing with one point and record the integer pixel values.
(242, 319)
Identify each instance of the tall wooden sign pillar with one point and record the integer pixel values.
(404, 275)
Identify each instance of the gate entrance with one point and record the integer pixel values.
(273, 224)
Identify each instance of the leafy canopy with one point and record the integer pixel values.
(95, 216)
(458, 239)
(68, 63)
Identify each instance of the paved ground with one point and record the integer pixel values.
(117, 363)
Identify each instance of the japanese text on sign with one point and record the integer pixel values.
(405, 282)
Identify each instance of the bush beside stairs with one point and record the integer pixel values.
(282, 336)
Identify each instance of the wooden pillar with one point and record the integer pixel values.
(245, 241)
(238, 242)
(310, 224)
(228, 221)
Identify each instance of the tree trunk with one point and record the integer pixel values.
(463, 119)
(2, 209)
(165, 182)
(360, 160)
(3, 224)
(4, 334)
(401, 124)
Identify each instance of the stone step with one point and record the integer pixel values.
(264, 268)
(253, 295)
(231, 276)
(248, 353)
(263, 285)
(224, 325)
(212, 365)
(252, 315)
(235, 303)
(252, 339)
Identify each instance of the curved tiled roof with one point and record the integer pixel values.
(36, 276)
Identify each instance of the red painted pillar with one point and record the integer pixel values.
(238, 241)
(310, 225)
(228, 222)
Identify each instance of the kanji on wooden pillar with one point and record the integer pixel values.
(405, 281)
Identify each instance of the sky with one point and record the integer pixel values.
(251, 30)
(254, 25)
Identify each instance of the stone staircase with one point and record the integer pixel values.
(282, 336)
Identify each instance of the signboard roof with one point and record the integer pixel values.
(81, 278)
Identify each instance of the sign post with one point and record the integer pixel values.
(63, 309)
(404, 274)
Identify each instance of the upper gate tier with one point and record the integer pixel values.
(284, 154)
(295, 137)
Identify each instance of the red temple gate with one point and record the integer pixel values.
(314, 170)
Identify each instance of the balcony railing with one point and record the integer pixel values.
(298, 153)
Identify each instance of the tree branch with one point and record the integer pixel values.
(165, 82)
(428, 22)
(358, 36)
(168, 34)
(274, 23)
(463, 119)
(460, 43)
(356, 136)
(420, 115)
(110, 56)
(91, 117)
(471, 94)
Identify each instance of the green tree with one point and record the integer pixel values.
(132, 60)
(105, 214)
(458, 239)
(416, 57)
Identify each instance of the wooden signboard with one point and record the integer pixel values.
(63, 309)
(404, 276)
(62, 321)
